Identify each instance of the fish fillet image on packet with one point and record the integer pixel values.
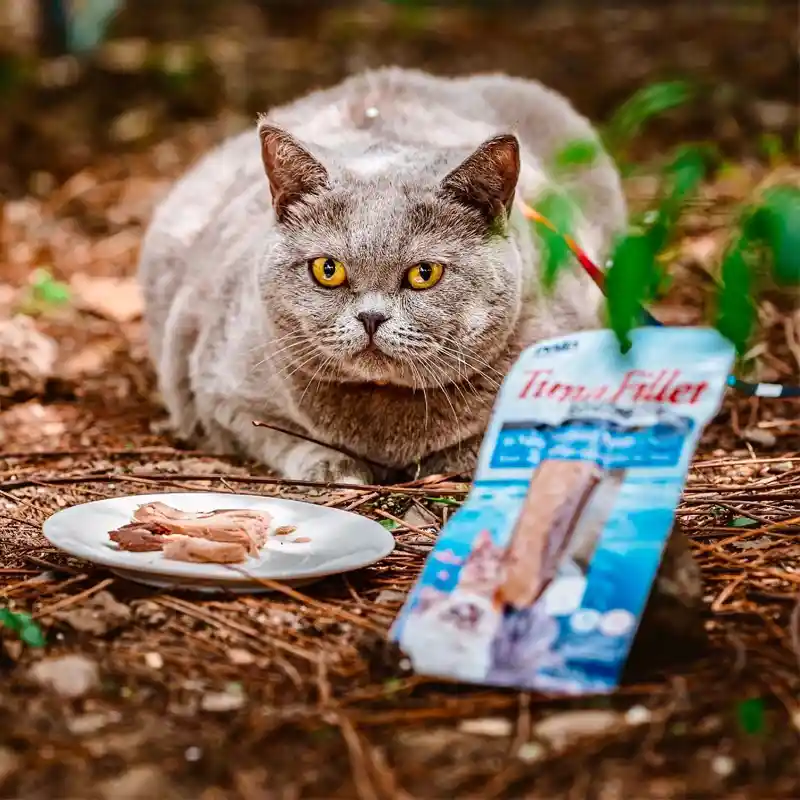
(540, 579)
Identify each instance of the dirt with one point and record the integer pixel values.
(141, 693)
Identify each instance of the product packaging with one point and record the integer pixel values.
(540, 579)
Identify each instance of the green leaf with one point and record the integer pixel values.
(559, 209)
(750, 714)
(46, 289)
(744, 522)
(21, 623)
(389, 524)
(577, 153)
(444, 501)
(736, 311)
(682, 177)
(32, 635)
(629, 284)
(11, 620)
(645, 104)
(775, 224)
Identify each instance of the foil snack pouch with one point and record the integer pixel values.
(540, 579)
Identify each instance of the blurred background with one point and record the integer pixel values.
(78, 77)
(104, 103)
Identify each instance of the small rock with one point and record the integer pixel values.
(100, 615)
(154, 660)
(68, 676)
(796, 719)
(390, 597)
(133, 125)
(141, 782)
(220, 702)
(775, 114)
(530, 752)
(723, 766)
(563, 729)
(9, 763)
(489, 726)
(760, 437)
(91, 723)
(27, 357)
(149, 613)
(193, 754)
(240, 657)
(638, 715)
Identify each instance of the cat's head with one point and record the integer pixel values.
(405, 274)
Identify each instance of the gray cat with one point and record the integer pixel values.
(373, 287)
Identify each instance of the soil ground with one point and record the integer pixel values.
(294, 694)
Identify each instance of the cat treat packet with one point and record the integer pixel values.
(540, 580)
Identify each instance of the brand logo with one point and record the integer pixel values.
(556, 347)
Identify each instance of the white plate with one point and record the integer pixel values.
(339, 541)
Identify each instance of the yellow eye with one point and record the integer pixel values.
(327, 272)
(424, 275)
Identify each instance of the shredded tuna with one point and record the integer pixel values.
(226, 536)
(237, 526)
(204, 551)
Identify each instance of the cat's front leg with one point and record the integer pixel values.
(291, 457)
(460, 459)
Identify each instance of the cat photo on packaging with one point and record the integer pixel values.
(355, 269)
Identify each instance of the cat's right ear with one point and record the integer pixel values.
(291, 170)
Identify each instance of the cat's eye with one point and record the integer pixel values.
(424, 275)
(328, 272)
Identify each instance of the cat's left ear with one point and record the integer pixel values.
(487, 180)
(291, 170)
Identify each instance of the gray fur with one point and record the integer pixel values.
(239, 331)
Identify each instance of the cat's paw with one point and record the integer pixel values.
(323, 466)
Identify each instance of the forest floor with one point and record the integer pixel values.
(296, 695)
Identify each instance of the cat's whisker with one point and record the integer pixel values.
(468, 357)
(271, 354)
(323, 365)
(301, 365)
(459, 346)
(293, 359)
(475, 370)
(457, 385)
(280, 340)
(418, 379)
(423, 364)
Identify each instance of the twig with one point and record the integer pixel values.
(73, 599)
(220, 622)
(344, 451)
(193, 476)
(333, 611)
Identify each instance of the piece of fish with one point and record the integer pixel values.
(138, 538)
(203, 551)
(236, 526)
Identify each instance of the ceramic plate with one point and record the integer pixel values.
(338, 541)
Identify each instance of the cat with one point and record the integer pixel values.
(357, 270)
(524, 643)
(452, 633)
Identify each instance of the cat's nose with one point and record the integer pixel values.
(371, 320)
